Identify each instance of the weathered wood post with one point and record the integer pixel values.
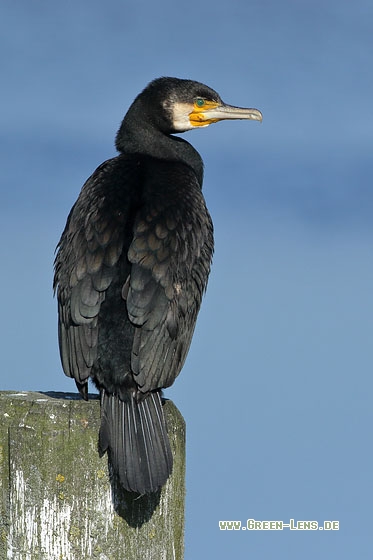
(57, 500)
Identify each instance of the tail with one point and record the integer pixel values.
(135, 435)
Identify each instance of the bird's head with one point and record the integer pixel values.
(173, 105)
(176, 105)
(194, 105)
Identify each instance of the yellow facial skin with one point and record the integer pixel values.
(197, 117)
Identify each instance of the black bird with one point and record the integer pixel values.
(130, 271)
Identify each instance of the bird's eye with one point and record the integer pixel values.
(199, 102)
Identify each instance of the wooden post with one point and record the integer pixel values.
(56, 498)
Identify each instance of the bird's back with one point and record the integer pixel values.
(130, 272)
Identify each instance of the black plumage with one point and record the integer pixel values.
(131, 269)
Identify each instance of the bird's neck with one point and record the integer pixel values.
(146, 140)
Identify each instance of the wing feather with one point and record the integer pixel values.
(171, 254)
(85, 266)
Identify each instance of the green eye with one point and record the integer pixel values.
(200, 102)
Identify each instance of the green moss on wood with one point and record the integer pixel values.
(56, 493)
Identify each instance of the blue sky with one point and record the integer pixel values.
(276, 391)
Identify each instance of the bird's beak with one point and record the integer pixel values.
(207, 115)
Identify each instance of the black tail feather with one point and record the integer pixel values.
(135, 435)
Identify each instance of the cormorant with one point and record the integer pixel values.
(130, 271)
